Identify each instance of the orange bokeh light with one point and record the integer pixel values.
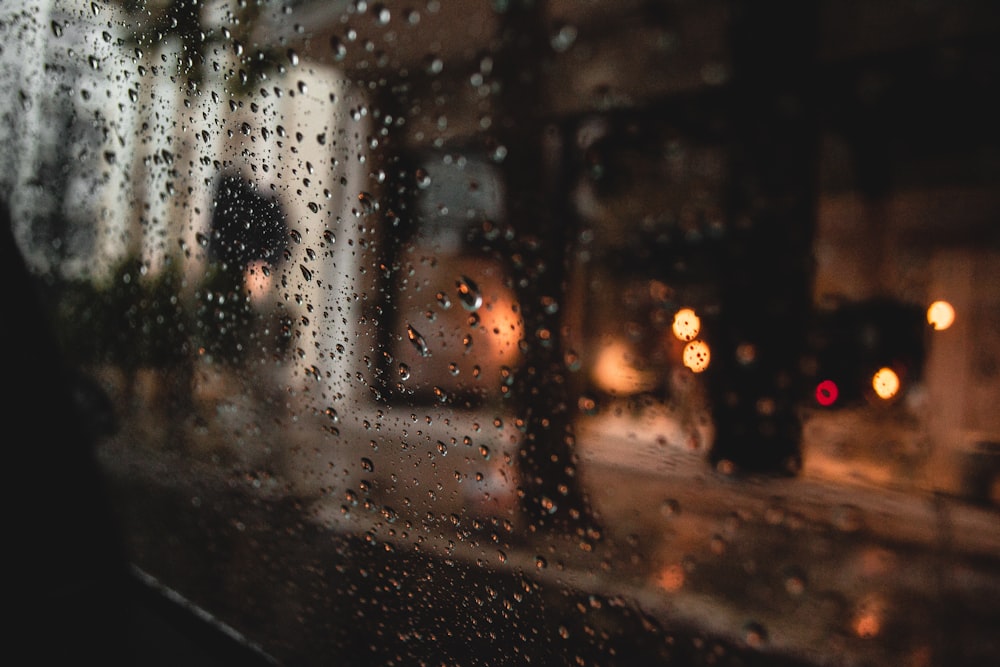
(697, 355)
(671, 578)
(885, 382)
(940, 315)
(686, 324)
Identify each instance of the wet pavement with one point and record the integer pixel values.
(694, 566)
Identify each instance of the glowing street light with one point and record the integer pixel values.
(697, 355)
(826, 393)
(885, 382)
(940, 315)
(686, 324)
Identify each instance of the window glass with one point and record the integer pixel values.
(526, 332)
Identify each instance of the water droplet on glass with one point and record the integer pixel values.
(339, 50)
(332, 415)
(468, 294)
(670, 508)
(419, 344)
(367, 465)
(563, 38)
(433, 65)
(293, 57)
(57, 29)
(442, 448)
(423, 179)
(367, 202)
(306, 273)
(313, 206)
(443, 300)
(404, 372)
(382, 14)
(754, 634)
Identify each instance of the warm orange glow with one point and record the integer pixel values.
(258, 279)
(687, 324)
(697, 355)
(671, 578)
(940, 315)
(615, 371)
(501, 319)
(867, 624)
(885, 382)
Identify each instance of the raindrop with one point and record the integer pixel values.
(434, 65)
(795, 582)
(57, 29)
(443, 300)
(313, 206)
(563, 38)
(419, 344)
(306, 273)
(468, 294)
(404, 372)
(670, 508)
(332, 415)
(541, 563)
(293, 57)
(367, 465)
(442, 448)
(572, 360)
(755, 634)
(382, 14)
(368, 204)
(339, 50)
(423, 178)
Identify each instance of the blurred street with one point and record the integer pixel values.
(820, 570)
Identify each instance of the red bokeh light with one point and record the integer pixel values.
(826, 393)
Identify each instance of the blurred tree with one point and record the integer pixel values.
(533, 164)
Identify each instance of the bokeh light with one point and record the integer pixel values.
(671, 578)
(827, 393)
(686, 324)
(885, 382)
(697, 355)
(940, 315)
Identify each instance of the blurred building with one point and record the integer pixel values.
(380, 129)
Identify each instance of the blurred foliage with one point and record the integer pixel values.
(135, 320)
